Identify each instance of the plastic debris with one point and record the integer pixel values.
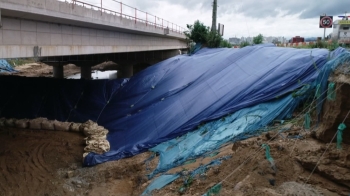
(214, 190)
(331, 91)
(341, 128)
(307, 122)
(268, 156)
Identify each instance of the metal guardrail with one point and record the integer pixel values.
(145, 18)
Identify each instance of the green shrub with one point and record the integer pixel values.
(258, 39)
(197, 32)
(225, 44)
(213, 39)
(244, 44)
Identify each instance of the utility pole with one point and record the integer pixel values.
(213, 25)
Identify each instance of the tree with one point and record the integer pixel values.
(258, 39)
(244, 44)
(197, 32)
(225, 44)
(213, 39)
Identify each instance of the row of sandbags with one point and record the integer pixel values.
(96, 136)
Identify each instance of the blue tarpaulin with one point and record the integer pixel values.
(5, 66)
(168, 99)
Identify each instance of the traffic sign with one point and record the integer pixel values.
(326, 21)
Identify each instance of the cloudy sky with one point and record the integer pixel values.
(242, 17)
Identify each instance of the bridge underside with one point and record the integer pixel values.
(126, 63)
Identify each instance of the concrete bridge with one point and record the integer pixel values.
(60, 32)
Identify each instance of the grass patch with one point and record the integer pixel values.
(20, 61)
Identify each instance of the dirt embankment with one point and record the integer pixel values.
(40, 162)
(50, 163)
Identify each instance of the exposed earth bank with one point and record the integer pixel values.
(41, 162)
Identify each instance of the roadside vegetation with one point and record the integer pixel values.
(201, 34)
(256, 40)
(322, 44)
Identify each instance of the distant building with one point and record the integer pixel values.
(234, 41)
(297, 39)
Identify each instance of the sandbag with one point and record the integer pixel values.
(87, 124)
(10, 122)
(96, 137)
(96, 140)
(36, 123)
(62, 126)
(48, 125)
(97, 146)
(22, 123)
(98, 131)
(75, 127)
(91, 128)
(2, 122)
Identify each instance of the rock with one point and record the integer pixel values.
(70, 174)
(74, 167)
(77, 182)
(294, 188)
(242, 184)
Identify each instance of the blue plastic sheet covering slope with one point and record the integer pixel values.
(168, 99)
(237, 126)
(5, 66)
(172, 97)
(213, 135)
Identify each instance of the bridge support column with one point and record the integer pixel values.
(125, 71)
(85, 72)
(58, 71)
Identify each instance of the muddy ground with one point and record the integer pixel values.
(43, 162)
(39, 162)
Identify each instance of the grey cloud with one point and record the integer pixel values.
(263, 8)
(307, 8)
(252, 8)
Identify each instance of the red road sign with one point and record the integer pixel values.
(326, 21)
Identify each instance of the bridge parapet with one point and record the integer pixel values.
(41, 28)
(84, 14)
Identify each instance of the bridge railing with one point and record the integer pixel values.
(131, 13)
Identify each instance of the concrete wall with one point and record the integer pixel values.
(19, 38)
(53, 28)
(67, 13)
